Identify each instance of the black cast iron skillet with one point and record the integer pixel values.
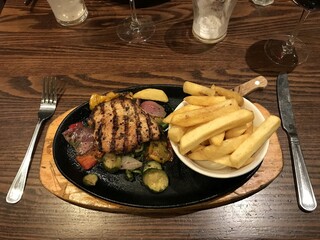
(186, 186)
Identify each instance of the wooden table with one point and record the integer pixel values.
(90, 58)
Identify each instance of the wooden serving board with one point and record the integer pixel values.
(57, 184)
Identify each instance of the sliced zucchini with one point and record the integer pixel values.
(111, 162)
(155, 179)
(139, 149)
(151, 164)
(90, 179)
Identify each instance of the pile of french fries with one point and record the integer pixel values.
(213, 126)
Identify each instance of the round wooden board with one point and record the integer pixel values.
(57, 184)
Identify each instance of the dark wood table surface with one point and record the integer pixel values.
(90, 58)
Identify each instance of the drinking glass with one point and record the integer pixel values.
(289, 50)
(135, 29)
(211, 19)
(69, 12)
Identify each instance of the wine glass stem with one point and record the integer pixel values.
(134, 17)
(289, 46)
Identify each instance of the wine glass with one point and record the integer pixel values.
(135, 29)
(290, 50)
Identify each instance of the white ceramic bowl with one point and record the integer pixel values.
(215, 170)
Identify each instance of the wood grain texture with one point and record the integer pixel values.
(90, 58)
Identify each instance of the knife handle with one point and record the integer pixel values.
(306, 197)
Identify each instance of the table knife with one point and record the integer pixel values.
(305, 194)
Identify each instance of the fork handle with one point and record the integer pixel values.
(17, 187)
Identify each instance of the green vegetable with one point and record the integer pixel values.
(151, 164)
(163, 125)
(90, 179)
(139, 152)
(156, 180)
(111, 162)
(129, 175)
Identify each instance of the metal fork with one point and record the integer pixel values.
(47, 108)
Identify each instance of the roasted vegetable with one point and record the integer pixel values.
(159, 151)
(152, 94)
(80, 137)
(154, 109)
(155, 179)
(86, 161)
(129, 175)
(111, 162)
(96, 99)
(130, 163)
(90, 179)
(151, 164)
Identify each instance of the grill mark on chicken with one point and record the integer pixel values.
(99, 137)
(149, 125)
(123, 126)
(126, 124)
(114, 126)
(131, 134)
(144, 128)
(138, 124)
(102, 123)
(122, 118)
(120, 126)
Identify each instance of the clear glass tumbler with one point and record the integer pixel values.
(211, 19)
(69, 12)
(263, 2)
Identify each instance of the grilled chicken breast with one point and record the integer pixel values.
(120, 126)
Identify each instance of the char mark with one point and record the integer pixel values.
(100, 137)
(149, 124)
(138, 123)
(126, 126)
(115, 126)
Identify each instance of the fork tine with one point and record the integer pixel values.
(49, 92)
(54, 90)
(44, 91)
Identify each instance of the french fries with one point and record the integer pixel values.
(186, 108)
(217, 139)
(213, 127)
(197, 89)
(175, 133)
(235, 132)
(213, 152)
(204, 100)
(203, 132)
(229, 94)
(254, 141)
(202, 115)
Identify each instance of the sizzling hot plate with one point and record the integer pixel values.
(186, 186)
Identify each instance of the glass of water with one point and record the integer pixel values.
(69, 12)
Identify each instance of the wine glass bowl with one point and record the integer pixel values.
(289, 50)
(135, 29)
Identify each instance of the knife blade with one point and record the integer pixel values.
(305, 194)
